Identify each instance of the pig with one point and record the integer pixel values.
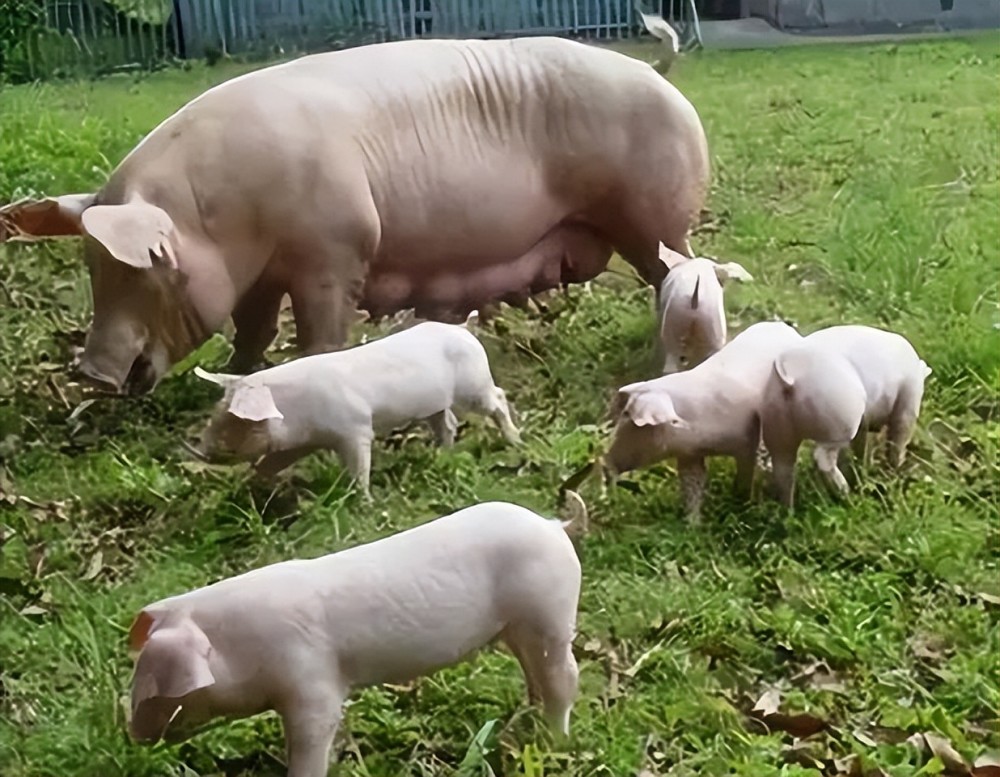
(709, 410)
(434, 174)
(835, 386)
(299, 636)
(341, 400)
(692, 313)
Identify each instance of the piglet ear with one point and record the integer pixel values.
(138, 635)
(671, 258)
(218, 378)
(653, 408)
(731, 271)
(253, 402)
(173, 663)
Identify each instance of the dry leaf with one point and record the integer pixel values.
(767, 704)
(987, 760)
(94, 567)
(801, 726)
(950, 757)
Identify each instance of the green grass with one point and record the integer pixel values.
(857, 184)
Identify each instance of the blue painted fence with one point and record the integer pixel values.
(78, 37)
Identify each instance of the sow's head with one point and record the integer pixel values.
(143, 320)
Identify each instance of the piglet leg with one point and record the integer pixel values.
(499, 411)
(746, 466)
(356, 456)
(902, 424)
(273, 463)
(825, 457)
(551, 672)
(310, 726)
(444, 425)
(783, 475)
(693, 475)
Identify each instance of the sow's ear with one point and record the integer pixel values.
(132, 233)
(254, 402)
(49, 217)
(173, 661)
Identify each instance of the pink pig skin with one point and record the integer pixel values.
(298, 636)
(833, 388)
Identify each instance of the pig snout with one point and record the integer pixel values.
(631, 448)
(121, 371)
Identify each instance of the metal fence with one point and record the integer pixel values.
(97, 36)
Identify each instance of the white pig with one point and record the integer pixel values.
(692, 311)
(341, 400)
(834, 387)
(298, 636)
(710, 410)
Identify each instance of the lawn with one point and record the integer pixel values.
(857, 184)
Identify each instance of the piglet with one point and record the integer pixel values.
(341, 400)
(710, 410)
(834, 387)
(692, 313)
(298, 636)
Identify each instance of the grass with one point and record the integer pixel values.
(857, 184)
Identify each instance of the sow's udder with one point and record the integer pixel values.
(568, 254)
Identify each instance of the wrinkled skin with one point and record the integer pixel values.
(299, 636)
(435, 174)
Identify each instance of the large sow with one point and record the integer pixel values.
(434, 174)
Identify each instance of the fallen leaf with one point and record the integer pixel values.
(950, 757)
(987, 760)
(802, 725)
(94, 567)
(767, 704)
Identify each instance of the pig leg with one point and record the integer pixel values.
(746, 461)
(444, 426)
(310, 725)
(746, 466)
(356, 456)
(693, 474)
(324, 302)
(256, 321)
(550, 663)
(859, 445)
(825, 456)
(514, 639)
(783, 474)
(273, 463)
(494, 404)
(902, 423)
